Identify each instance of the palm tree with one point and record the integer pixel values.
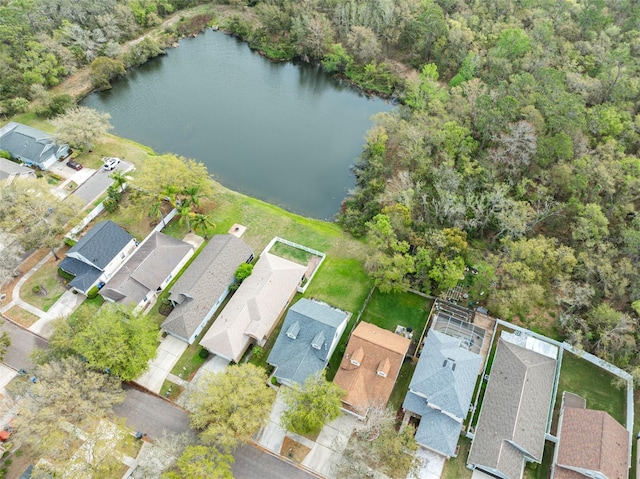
(184, 210)
(119, 179)
(193, 195)
(201, 222)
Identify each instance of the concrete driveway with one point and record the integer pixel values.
(169, 352)
(98, 183)
(431, 464)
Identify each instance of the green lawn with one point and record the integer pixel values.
(402, 384)
(391, 310)
(47, 277)
(456, 467)
(291, 253)
(592, 383)
(189, 362)
(88, 308)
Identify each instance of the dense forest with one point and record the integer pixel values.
(510, 165)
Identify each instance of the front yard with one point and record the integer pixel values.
(44, 287)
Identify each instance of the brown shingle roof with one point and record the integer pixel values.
(593, 440)
(372, 346)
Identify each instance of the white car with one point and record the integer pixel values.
(110, 163)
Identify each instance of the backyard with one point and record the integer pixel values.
(592, 383)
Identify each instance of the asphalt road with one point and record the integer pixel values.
(98, 183)
(150, 414)
(22, 343)
(252, 463)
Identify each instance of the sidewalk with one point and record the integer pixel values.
(66, 304)
(17, 301)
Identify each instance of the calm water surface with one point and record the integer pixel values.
(281, 132)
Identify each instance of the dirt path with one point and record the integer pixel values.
(78, 84)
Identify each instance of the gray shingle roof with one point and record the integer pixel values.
(101, 244)
(8, 168)
(308, 321)
(146, 269)
(514, 411)
(87, 259)
(29, 144)
(204, 282)
(85, 274)
(438, 432)
(446, 374)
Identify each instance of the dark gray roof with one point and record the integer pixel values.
(515, 409)
(85, 274)
(29, 144)
(306, 322)
(101, 244)
(204, 282)
(146, 269)
(446, 374)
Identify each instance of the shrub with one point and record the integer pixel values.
(257, 352)
(69, 242)
(5, 154)
(110, 204)
(274, 381)
(65, 275)
(244, 271)
(92, 293)
(36, 289)
(203, 353)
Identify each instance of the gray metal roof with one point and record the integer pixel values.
(204, 282)
(29, 144)
(310, 322)
(446, 374)
(146, 269)
(513, 419)
(101, 244)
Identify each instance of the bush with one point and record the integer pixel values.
(110, 204)
(274, 381)
(92, 293)
(69, 242)
(244, 271)
(65, 275)
(36, 289)
(257, 352)
(5, 154)
(203, 353)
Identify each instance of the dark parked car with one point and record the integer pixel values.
(74, 164)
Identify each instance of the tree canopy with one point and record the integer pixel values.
(311, 405)
(69, 400)
(113, 340)
(230, 406)
(33, 215)
(82, 127)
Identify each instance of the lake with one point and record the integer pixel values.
(282, 132)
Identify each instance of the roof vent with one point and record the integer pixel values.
(293, 330)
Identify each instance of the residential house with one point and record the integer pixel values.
(370, 367)
(202, 288)
(512, 425)
(254, 310)
(591, 444)
(10, 170)
(31, 146)
(441, 390)
(147, 271)
(97, 255)
(309, 335)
